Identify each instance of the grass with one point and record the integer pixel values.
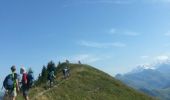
(87, 83)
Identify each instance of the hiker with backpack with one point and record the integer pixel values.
(66, 72)
(27, 81)
(51, 77)
(11, 84)
(30, 76)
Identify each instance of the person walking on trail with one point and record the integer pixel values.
(66, 72)
(30, 77)
(79, 62)
(51, 77)
(25, 86)
(11, 84)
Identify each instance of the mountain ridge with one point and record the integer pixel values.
(87, 83)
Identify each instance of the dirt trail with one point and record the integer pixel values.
(45, 91)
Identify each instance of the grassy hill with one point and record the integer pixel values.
(85, 83)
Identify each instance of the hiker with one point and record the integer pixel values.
(79, 62)
(30, 76)
(66, 72)
(25, 86)
(67, 61)
(11, 84)
(51, 77)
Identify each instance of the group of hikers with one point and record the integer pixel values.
(51, 76)
(13, 83)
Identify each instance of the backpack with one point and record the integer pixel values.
(30, 77)
(9, 82)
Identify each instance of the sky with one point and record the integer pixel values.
(112, 35)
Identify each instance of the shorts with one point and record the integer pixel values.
(13, 93)
(25, 90)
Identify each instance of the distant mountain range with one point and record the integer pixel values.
(152, 79)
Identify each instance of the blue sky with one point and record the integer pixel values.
(113, 35)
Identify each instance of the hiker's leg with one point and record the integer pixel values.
(13, 98)
(68, 74)
(65, 75)
(13, 94)
(7, 95)
(27, 98)
(25, 92)
(50, 83)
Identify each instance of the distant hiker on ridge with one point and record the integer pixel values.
(51, 77)
(11, 84)
(79, 62)
(66, 72)
(67, 61)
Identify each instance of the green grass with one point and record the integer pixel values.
(87, 83)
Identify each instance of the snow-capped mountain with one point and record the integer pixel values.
(149, 78)
(159, 65)
(141, 68)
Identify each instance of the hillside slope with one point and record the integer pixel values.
(86, 83)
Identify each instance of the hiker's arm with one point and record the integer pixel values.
(17, 85)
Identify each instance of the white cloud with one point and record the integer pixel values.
(159, 58)
(144, 57)
(162, 58)
(125, 33)
(86, 58)
(154, 61)
(101, 45)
